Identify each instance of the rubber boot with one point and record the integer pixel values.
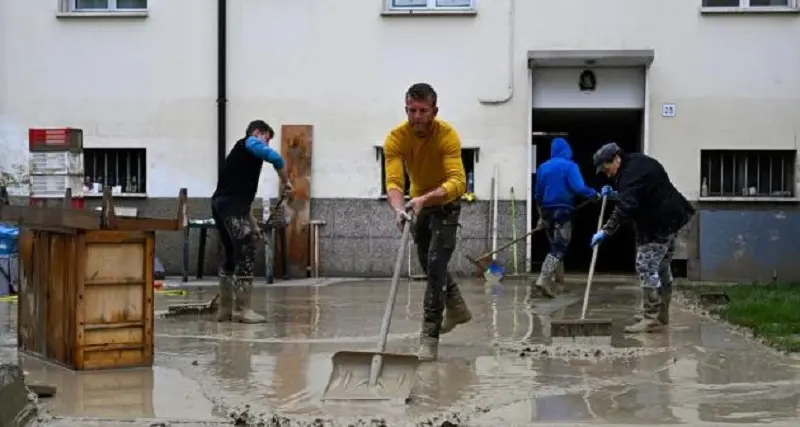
(428, 345)
(545, 281)
(225, 302)
(663, 314)
(456, 313)
(652, 307)
(428, 349)
(559, 278)
(242, 313)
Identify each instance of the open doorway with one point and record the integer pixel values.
(586, 131)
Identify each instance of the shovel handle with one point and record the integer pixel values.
(594, 261)
(377, 360)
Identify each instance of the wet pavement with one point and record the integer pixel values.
(500, 369)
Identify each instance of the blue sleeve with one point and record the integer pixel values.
(538, 191)
(577, 185)
(264, 152)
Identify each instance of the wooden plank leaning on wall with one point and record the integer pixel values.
(296, 146)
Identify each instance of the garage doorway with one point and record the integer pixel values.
(586, 131)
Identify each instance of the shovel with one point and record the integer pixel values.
(363, 375)
(584, 327)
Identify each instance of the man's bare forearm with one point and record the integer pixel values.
(284, 177)
(435, 197)
(396, 200)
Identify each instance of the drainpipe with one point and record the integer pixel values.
(222, 65)
(511, 36)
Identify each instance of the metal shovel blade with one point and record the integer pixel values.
(580, 328)
(350, 377)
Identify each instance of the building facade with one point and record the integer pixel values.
(708, 87)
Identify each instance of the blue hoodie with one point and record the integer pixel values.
(559, 180)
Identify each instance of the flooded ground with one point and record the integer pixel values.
(500, 369)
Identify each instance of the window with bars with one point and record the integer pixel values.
(123, 169)
(468, 156)
(107, 5)
(748, 173)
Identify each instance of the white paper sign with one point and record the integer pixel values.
(668, 110)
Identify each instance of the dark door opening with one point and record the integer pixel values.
(586, 131)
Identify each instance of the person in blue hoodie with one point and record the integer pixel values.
(558, 181)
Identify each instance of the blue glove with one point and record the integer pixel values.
(598, 237)
(607, 191)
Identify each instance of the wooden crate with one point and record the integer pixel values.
(86, 297)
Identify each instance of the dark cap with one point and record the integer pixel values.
(605, 154)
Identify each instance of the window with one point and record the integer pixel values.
(447, 5)
(468, 155)
(107, 5)
(124, 168)
(747, 173)
(748, 3)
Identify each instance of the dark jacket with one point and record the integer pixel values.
(559, 180)
(647, 199)
(238, 180)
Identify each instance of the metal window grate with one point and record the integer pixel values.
(747, 173)
(125, 168)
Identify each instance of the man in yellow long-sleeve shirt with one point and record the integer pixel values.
(429, 149)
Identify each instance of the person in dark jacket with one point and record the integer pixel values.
(238, 232)
(647, 199)
(558, 182)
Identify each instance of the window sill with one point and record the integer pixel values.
(755, 199)
(429, 12)
(116, 196)
(103, 14)
(747, 10)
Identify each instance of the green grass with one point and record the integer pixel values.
(772, 312)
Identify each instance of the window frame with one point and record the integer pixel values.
(112, 7)
(142, 178)
(788, 159)
(473, 152)
(431, 7)
(744, 6)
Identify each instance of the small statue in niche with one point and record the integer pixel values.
(587, 82)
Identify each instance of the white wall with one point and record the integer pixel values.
(616, 88)
(343, 68)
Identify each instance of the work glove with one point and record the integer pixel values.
(400, 217)
(598, 237)
(607, 191)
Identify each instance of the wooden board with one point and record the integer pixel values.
(296, 147)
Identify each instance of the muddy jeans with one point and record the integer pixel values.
(558, 226)
(653, 260)
(238, 237)
(435, 237)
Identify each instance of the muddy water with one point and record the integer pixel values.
(501, 369)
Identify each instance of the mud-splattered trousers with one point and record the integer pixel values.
(239, 239)
(653, 269)
(435, 237)
(558, 227)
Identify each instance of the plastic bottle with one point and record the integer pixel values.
(704, 188)
(471, 182)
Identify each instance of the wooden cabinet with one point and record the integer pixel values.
(86, 284)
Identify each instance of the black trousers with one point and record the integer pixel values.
(237, 235)
(435, 237)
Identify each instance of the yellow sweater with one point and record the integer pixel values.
(431, 163)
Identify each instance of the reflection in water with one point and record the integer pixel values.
(695, 372)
